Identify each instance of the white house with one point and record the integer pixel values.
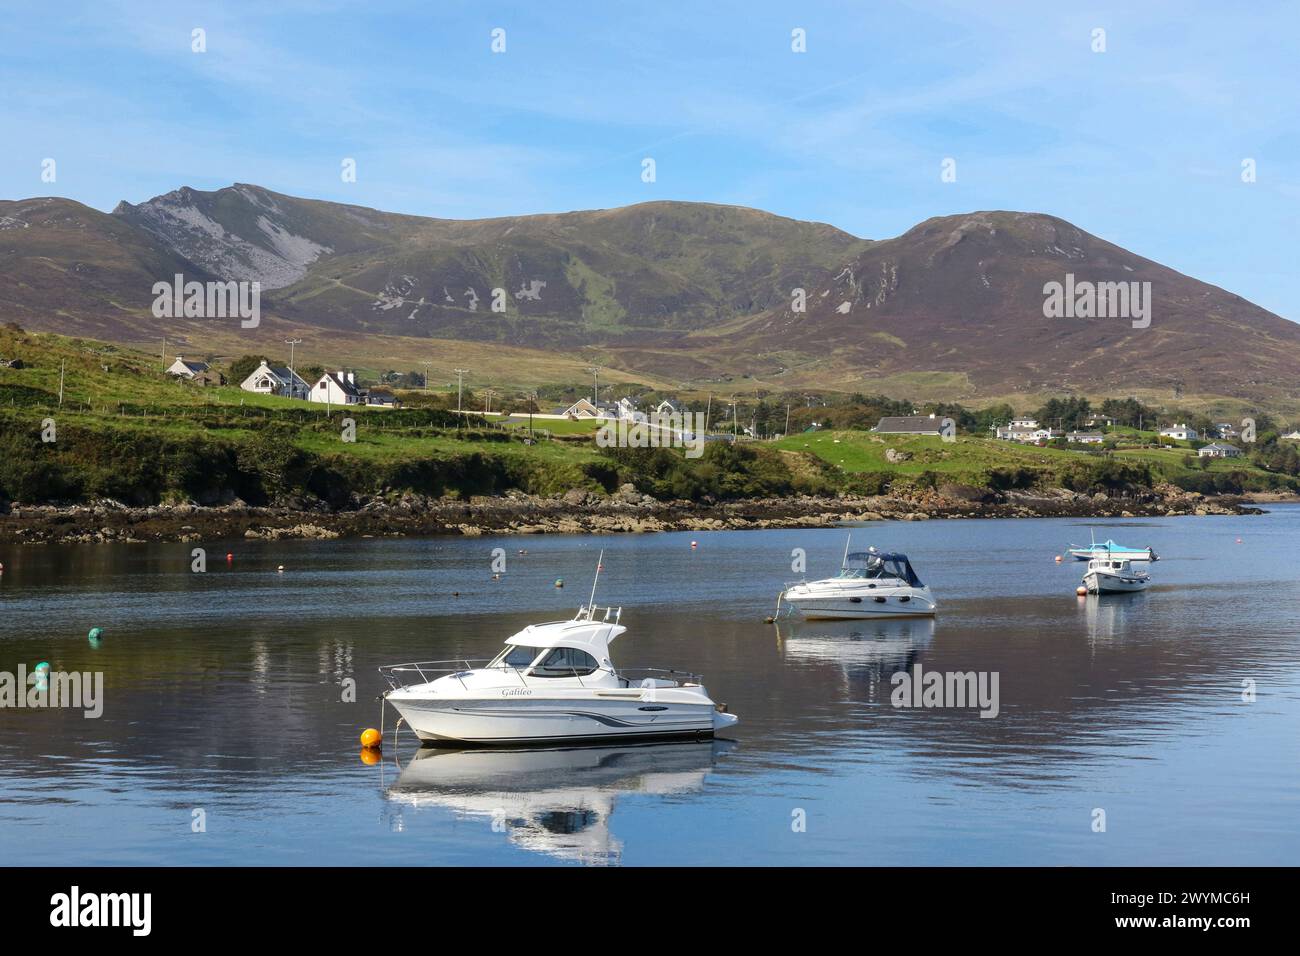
(337, 388)
(1179, 432)
(1293, 436)
(186, 369)
(1219, 450)
(669, 407)
(628, 411)
(1225, 430)
(275, 380)
(1030, 423)
(1085, 438)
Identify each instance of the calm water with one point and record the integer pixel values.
(223, 692)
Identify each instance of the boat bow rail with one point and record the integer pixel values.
(417, 673)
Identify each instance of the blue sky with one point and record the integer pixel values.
(1142, 144)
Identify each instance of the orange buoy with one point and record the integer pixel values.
(1081, 591)
(371, 737)
(1058, 559)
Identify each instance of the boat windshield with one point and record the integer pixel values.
(865, 566)
(516, 655)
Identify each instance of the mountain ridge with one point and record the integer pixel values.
(666, 286)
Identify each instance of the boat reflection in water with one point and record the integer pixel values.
(868, 653)
(556, 801)
(1113, 617)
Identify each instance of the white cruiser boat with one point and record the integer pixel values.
(870, 584)
(552, 682)
(1114, 576)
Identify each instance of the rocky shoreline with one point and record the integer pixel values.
(576, 512)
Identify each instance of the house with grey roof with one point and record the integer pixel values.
(276, 380)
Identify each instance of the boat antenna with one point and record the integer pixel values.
(591, 603)
(844, 563)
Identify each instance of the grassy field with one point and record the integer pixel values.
(970, 459)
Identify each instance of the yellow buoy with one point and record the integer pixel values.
(371, 737)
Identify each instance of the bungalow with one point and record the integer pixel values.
(184, 369)
(275, 380)
(909, 425)
(582, 408)
(1225, 430)
(382, 397)
(1017, 432)
(1179, 432)
(1085, 438)
(1098, 421)
(337, 388)
(1219, 450)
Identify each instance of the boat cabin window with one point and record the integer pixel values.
(565, 662)
(517, 655)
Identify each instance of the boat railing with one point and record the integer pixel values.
(634, 675)
(415, 673)
(588, 613)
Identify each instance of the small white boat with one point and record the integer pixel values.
(1110, 549)
(870, 584)
(1114, 576)
(552, 682)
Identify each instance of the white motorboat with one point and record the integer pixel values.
(1110, 549)
(552, 682)
(870, 584)
(1114, 576)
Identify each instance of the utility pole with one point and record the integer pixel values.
(595, 384)
(708, 409)
(293, 376)
(734, 434)
(426, 374)
(460, 373)
(786, 433)
(487, 395)
(530, 416)
(164, 354)
(61, 365)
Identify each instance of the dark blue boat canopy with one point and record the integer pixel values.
(891, 564)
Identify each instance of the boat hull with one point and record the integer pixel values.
(524, 720)
(1100, 583)
(855, 605)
